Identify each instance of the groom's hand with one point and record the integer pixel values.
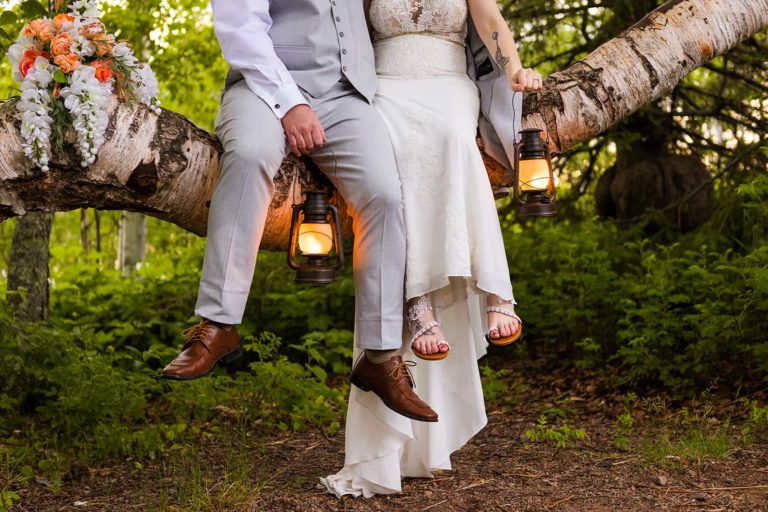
(303, 130)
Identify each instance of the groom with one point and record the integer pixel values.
(301, 77)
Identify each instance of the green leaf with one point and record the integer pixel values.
(8, 18)
(319, 373)
(60, 77)
(5, 35)
(33, 9)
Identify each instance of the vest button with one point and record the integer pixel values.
(277, 105)
(338, 19)
(343, 51)
(343, 68)
(341, 34)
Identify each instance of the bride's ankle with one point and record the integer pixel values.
(419, 313)
(496, 301)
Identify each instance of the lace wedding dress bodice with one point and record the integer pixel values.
(446, 19)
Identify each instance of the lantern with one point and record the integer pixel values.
(534, 187)
(315, 232)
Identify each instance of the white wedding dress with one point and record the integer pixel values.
(455, 251)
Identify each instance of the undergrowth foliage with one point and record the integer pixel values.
(676, 315)
(87, 383)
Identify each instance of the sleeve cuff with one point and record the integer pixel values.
(285, 98)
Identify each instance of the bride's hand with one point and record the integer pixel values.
(525, 80)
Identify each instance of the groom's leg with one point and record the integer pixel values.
(254, 147)
(367, 178)
(366, 175)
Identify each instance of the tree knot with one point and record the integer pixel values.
(143, 179)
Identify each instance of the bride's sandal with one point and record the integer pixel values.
(506, 340)
(419, 328)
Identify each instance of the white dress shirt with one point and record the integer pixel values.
(242, 28)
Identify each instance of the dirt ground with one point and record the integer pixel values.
(499, 470)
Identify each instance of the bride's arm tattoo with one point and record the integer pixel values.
(501, 59)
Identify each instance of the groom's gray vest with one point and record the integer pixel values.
(321, 42)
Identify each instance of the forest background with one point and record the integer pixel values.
(670, 303)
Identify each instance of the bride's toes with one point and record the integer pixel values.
(494, 333)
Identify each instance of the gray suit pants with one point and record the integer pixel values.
(254, 147)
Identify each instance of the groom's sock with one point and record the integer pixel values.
(381, 356)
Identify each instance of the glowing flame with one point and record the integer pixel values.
(315, 239)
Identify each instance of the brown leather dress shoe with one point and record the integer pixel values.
(392, 382)
(205, 345)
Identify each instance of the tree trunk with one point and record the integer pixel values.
(28, 267)
(85, 226)
(133, 241)
(166, 167)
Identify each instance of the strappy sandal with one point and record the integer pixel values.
(416, 317)
(506, 340)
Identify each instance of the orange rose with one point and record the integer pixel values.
(103, 69)
(41, 29)
(91, 29)
(103, 44)
(28, 60)
(67, 63)
(61, 44)
(27, 31)
(61, 19)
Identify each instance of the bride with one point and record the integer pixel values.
(457, 280)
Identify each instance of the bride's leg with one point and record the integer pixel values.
(422, 324)
(499, 324)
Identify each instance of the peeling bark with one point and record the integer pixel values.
(165, 166)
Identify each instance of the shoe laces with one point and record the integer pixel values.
(196, 333)
(402, 370)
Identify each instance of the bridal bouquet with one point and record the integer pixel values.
(68, 67)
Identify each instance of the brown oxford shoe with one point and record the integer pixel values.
(392, 382)
(205, 345)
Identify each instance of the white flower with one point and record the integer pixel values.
(86, 99)
(81, 46)
(85, 8)
(35, 109)
(146, 87)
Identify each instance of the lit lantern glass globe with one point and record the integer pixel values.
(315, 239)
(534, 175)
